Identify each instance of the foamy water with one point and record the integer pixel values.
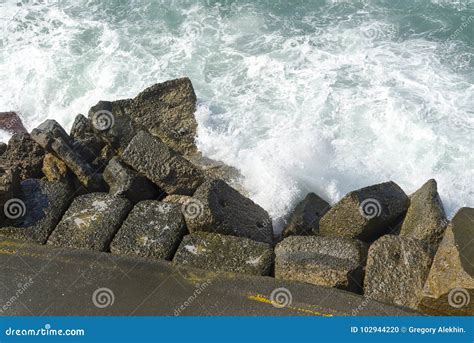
(323, 96)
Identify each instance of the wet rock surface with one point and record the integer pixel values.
(217, 207)
(37, 211)
(161, 165)
(425, 219)
(304, 219)
(225, 253)
(324, 261)
(153, 229)
(397, 268)
(54, 169)
(449, 289)
(367, 213)
(90, 222)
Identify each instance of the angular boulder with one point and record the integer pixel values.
(166, 110)
(90, 222)
(223, 253)
(52, 137)
(153, 229)
(163, 166)
(40, 207)
(25, 155)
(397, 268)
(304, 219)
(124, 181)
(449, 289)
(425, 219)
(217, 207)
(367, 213)
(324, 261)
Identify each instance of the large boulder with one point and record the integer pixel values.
(166, 110)
(304, 219)
(324, 261)
(52, 137)
(152, 229)
(223, 253)
(367, 213)
(91, 222)
(163, 166)
(124, 181)
(36, 212)
(396, 270)
(25, 155)
(425, 219)
(11, 122)
(217, 207)
(449, 289)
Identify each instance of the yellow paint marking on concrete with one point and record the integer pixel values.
(263, 299)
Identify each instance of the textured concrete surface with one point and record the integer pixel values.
(58, 281)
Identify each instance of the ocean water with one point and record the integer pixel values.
(322, 96)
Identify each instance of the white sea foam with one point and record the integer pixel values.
(327, 103)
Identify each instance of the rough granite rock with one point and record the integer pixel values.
(425, 219)
(54, 169)
(25, 155)
(324, 261)
(305, 217)
(43, 204)
(9, 189)
(163, 166)
(217, 207)
(365, 214)
(152, 229)
(91, 222)
(124, 181)
(52, 137)
(449, 289)
(397, 268)
(166, 110)
(223, 253)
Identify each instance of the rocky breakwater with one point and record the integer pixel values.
(128, 179)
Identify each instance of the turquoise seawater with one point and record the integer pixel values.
(323, 96)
